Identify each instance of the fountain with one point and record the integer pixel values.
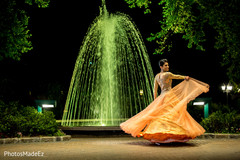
(112, 79)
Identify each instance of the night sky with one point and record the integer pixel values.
(58, 32)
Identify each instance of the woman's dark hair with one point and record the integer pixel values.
(162, 61)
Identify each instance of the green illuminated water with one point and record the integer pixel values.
(110, 71)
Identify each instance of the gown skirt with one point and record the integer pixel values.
(166, 119)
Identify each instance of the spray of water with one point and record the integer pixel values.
(112, 79)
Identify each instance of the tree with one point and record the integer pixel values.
(191, 18)
(14, 32)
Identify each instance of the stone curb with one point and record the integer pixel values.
(219, 136)
(204, 136)
(34, 139)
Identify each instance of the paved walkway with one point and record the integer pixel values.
(124, 148)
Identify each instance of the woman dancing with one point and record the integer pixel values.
(166, 119)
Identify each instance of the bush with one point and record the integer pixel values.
(16, 118)
(219, 122)
(59, 133)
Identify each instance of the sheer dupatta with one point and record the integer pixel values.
(171, 104)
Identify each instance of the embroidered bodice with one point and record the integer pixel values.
(164, 80)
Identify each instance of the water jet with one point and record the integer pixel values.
(112, 68)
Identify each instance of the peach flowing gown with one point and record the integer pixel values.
(166, 119)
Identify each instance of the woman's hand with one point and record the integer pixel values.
(187, 78)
